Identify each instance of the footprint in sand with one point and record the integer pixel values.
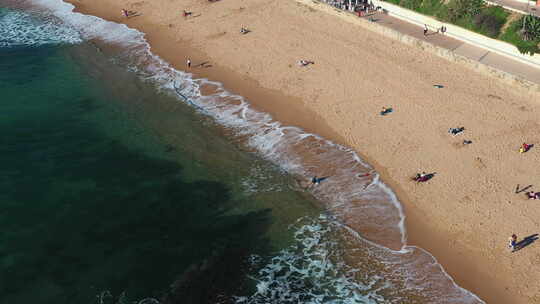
(466, 200)
(216, 36)
(458, 145)
(494, 96)
(138, 4)
(480, 163)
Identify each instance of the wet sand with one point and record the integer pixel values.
(463, 216)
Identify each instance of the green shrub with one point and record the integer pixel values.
(459, 9)
(490, 21)
(513, 36)
(498, 11)
(530, 49)
(411, 4)
(530, 30)
(426, 7)
(442, 13)
(431, 7)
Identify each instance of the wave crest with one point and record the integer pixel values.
(20, 29)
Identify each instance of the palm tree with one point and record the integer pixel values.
(531, 28)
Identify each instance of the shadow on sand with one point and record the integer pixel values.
(526, 242)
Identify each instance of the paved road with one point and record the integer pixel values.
(462, 48)
(518, 6)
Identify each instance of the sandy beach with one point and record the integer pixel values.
(465, 214)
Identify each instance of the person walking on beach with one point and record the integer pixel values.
(188, 63)
(125, 13)
(425, 30)
(512, 242)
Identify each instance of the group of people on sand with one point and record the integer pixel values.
(456, 131)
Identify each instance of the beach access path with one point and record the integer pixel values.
(459, 47)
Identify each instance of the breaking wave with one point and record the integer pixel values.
(19, 29)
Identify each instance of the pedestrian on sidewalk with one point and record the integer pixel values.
(443, 29)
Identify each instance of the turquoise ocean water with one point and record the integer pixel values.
(122, 184)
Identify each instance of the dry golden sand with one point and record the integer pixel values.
(465, 215)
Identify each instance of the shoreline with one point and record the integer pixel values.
(288, 110)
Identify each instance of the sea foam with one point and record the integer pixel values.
(20, 29)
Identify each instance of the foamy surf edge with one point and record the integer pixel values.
(19, 29)
(268, 136)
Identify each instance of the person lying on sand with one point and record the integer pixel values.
(423, 177)
(532, 195)
(187, 13)
(244, 31)
(386, 110)
(456, 131)
(303, 62)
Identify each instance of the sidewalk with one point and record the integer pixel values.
(467, 50)
(518, 6)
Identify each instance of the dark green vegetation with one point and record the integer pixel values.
(487, 20)
(525, 34)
